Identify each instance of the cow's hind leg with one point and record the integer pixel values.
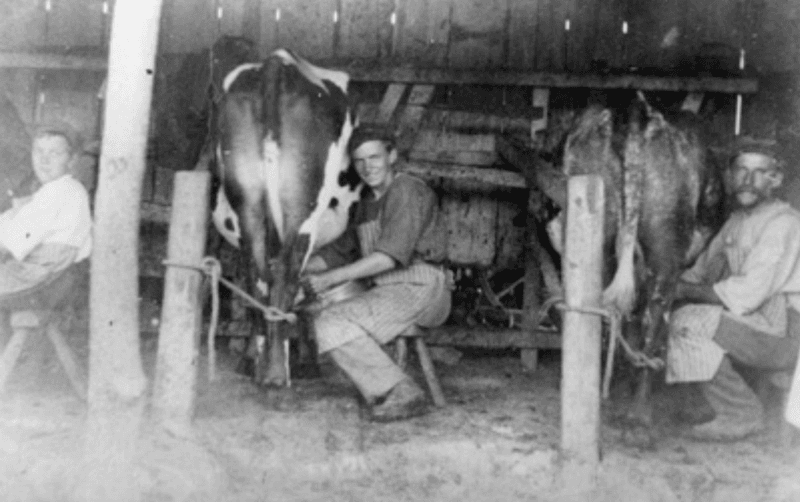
(271, 365)
(275, 370)
(640, 413)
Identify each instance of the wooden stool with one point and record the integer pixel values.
(782, 380)
(39, 310)
(401, 347)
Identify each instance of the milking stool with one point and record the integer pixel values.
(40, 309)
(401, 347)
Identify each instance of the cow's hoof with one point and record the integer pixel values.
(273, 380)
(638, 437)
(246, 367)
(308, 371)
(640, 415)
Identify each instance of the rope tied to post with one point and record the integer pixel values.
(614, 319)
(209, 264)
(211, 267)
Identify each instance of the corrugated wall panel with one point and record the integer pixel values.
(549, 53)
(73, 23)
(777, 46)
(269, 39)
(459, 33)
(306, 27)
(581, 16)
(607, 39)
(188, 25)
(365, 30)
(522, 33)
(478, 31)
(233, 14)
(22, 24)
(656, 33)
(423, 32)
(722, 22)
(19, 85)
(70, 96)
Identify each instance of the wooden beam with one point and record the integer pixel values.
(492, 338)
(389, 103)
(536, 171)
(410, 119)
(460, 157)
(500, 119)
(42, 61)
(495, 177)
(450, 76)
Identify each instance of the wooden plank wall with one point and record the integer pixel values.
(545, 35)
(524, 34)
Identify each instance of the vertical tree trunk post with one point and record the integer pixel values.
(178, 337)
(580, 373)
(117, 382)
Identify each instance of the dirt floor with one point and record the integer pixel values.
(496, 440)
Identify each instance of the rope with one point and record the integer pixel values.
(271, 314)
(213, 269)
(637, 358)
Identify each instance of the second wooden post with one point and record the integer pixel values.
(581, 341)
(178, 337)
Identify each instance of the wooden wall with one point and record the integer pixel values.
(555, 35)
(524, 34)
(547, 35)
(538, 35)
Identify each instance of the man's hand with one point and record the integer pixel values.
(317, 283)
(315, 265)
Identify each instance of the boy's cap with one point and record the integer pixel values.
(749, 144)
(364, 133)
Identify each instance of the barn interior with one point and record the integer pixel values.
(479, 94)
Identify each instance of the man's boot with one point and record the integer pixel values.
(739, 411)
(693, 407)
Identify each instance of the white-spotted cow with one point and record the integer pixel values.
(662, 192)
(286, 182)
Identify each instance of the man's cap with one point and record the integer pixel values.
(763, 146)
(60, 128)
(364, 133)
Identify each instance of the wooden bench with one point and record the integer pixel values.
(38, 310)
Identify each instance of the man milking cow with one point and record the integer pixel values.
(398, 240)
(740, 302)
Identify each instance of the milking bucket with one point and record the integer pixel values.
(339, 293)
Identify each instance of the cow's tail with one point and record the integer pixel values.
(620, 295)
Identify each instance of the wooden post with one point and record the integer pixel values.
(580, 355)
(541, 99)
(179, 335)
(117, 382)
(531, 294)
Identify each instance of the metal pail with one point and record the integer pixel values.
(336, 294)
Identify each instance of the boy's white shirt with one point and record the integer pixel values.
(58, 212)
